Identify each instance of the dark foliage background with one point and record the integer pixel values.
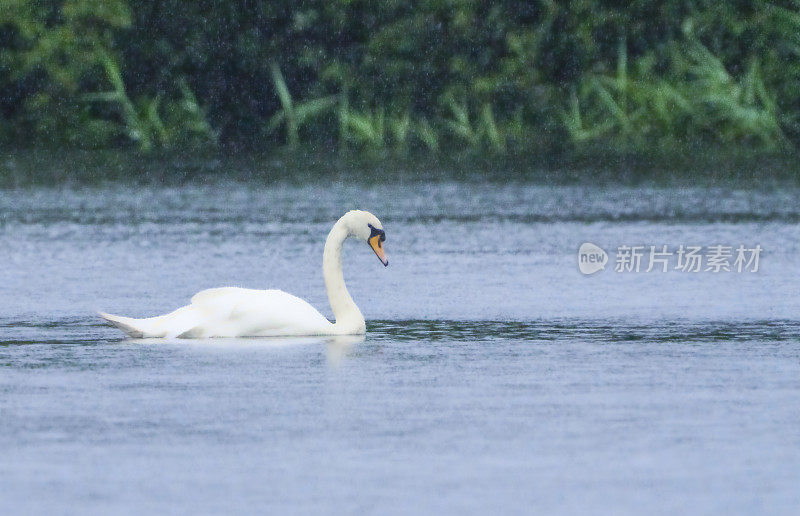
(391, 76)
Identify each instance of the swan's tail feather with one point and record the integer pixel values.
(175, 323)
(131, 326)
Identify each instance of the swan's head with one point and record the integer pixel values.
(366, 226)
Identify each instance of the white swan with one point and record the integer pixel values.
(240, 312)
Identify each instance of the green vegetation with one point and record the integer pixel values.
(392, 77)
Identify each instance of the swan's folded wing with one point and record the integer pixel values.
(234, 311)
(219, 302)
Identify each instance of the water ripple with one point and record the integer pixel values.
(87, 331)
(586, 330)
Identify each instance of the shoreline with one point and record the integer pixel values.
(689, 166)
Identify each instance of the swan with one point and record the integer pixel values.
(241, 312)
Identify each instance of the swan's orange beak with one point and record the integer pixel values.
(376, 243)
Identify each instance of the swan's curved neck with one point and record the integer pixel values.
(348, 316)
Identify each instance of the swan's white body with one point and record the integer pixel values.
(240, 312)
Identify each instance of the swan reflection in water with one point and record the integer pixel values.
(337, 347)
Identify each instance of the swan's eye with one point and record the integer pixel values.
(375, 231)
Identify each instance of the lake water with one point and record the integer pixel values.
(494, 376)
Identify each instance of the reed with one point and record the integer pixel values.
(139, 126)
(294, 115)
(142, 121)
